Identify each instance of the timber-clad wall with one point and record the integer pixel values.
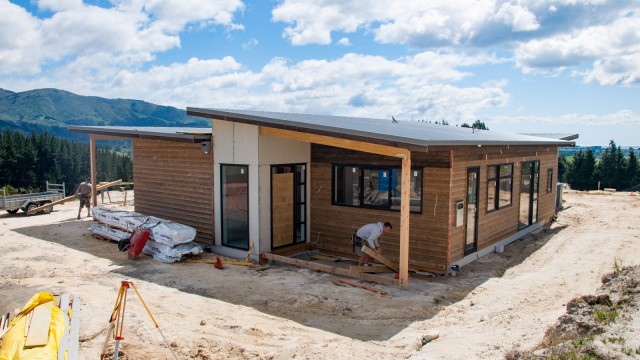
(332, 226)
(434, 241)
(496, 225)
(174, 181)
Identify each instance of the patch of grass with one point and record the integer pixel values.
(613, 340)
(605, 317)
(617, 265)
(582, 342)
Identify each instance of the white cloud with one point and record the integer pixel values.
(19, 35)
(359, 85)
(250, 44)
(596, 39)
(611, 54)
(174, 14)
(130, 30)
(344, 41)
(518, 17)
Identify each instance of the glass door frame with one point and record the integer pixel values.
(224, 211)
(469, 249)
(533, 192)
(299, 203)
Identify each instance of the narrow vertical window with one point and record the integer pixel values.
(234, 183)
(549, 180)
(499, 186)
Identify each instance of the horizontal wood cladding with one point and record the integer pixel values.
(333, 225)
(174, 181)
(328, 154)
(496, 225)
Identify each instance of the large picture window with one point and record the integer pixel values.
(374, 187)
(499, 186)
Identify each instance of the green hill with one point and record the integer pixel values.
(54, 110)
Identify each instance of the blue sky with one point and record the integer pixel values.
(537, 66)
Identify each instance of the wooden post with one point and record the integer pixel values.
(92, 151)
(404, 220)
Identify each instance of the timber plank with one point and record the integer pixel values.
(329, 269)
(39, 328)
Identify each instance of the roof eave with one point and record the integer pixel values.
(137, 134)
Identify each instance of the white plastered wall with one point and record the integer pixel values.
(278, 151)
(241, 144)
(235, 143)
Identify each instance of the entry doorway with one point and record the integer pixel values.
(529, 184)
(288, 205)
(471, 212)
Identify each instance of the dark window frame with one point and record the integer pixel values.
(498, 177)
(297, 222)
(222, 213)
(360, 170)
(549, 180)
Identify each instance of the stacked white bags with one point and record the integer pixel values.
(169, 241)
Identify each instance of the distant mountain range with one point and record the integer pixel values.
(54, 110)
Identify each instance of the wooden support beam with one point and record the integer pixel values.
(72, 197)
(404, 220)
(336, 142)
(329, 269)
(92, 153)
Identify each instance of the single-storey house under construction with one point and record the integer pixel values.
(282, 182)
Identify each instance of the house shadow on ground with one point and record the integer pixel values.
(308, 297)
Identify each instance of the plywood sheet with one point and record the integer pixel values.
(282, 209)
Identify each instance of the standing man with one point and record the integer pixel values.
(85, 192)
(368, 236)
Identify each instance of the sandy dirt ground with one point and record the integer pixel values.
(500, 303)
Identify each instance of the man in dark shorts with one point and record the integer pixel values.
(85, 191)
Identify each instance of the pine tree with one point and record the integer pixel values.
(633, 169)
(582, 170)
(611, 169)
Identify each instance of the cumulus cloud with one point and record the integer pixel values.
(610, 53)
(129, 29)
(596, 39)
(416, 87)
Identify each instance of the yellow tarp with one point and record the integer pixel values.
(12, 347)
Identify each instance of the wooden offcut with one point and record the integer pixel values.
(370, 288)
(391, 265)
(39, 328)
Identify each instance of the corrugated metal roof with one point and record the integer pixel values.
(179, 133)
(407, 132)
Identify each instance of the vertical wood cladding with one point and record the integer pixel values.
(496, 225)
(434, 241)
(174, 181)
(332, 226)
